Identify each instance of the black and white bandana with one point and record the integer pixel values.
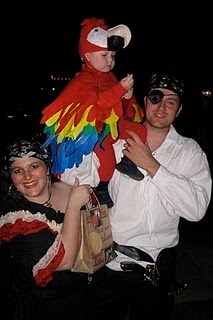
(167, 82)
(25, 149)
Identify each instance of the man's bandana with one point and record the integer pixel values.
(166, 82)
(25, 149)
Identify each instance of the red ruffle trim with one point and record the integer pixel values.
(10, 230)
(45, 275)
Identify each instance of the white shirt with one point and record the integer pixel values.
(146, 213)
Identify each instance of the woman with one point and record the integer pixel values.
(40, 231)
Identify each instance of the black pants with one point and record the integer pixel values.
(50, 304)
(116, 294)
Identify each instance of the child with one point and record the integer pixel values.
(94, 109)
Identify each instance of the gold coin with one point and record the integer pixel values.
(95, 242)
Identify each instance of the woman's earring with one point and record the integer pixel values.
(10, 188)
(49, 180)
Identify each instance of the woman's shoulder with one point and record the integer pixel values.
(60, 195)
(61, 186)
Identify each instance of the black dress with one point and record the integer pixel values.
(30, 240)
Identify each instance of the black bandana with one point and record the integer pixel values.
(22, 149)
(166, 82)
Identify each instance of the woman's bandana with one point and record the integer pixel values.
(25, 149)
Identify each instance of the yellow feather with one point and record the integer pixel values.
(137, 117)
(71, 131)
(53, 119)
(75, 131)
(112, 122)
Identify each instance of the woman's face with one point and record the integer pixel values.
(30, 178)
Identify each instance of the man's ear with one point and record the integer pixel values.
(179, 110)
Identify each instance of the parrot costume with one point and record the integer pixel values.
(89, 115)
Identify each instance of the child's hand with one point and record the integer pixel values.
(128, 94)
(127, 82)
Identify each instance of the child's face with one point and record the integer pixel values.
(103, 61)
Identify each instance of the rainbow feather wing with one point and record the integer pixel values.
(70, 140)
(70, 153)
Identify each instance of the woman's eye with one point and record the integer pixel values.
(34, 166)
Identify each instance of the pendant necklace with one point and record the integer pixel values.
(48, 203)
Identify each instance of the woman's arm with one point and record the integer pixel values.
(71, 229)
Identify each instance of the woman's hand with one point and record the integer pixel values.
(79, 194)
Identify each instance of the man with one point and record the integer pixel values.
(177, 183)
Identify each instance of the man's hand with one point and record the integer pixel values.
(140, 153)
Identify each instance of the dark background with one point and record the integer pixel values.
(41, 40)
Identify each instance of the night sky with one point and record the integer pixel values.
(41, 41)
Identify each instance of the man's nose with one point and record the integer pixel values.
(161, 104)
